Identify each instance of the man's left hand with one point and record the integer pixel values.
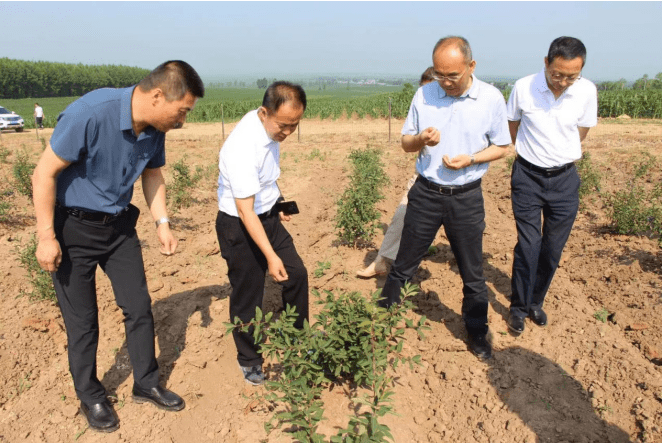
(284, 217)
(457, 162)
(167, 239)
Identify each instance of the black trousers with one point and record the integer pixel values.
(114, 247)
(463, 218)
(247, 268)
(537, 253)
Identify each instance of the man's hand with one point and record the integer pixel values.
(430, 136)
(277, 269)
(284, 217)
(457, 162)
(49, 254)
(167, 239)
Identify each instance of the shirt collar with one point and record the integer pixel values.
(472, 93)
(126, 121)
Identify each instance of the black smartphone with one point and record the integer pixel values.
(287, 207)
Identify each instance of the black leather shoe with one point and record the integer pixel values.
(480, 346)
(101, 416)
(160, 397)
(516, 324)
(539, 317)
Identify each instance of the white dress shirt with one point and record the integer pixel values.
(468, 124)
(548, 134)
(249, 165)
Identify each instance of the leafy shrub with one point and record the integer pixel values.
(42, 284)
(4, 153)
(634, 210)
(4, 204)
(179, 192)
(590, 177)
(356, 216)
(352, 340)
(23, 170)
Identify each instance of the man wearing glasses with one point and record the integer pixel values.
(550, 114)
(457, 125)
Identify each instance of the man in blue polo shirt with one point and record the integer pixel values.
(550, 114)
(457, 125)
(83, 185)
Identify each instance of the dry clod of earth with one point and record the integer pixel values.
(593, 374)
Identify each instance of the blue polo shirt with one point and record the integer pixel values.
(95, 133)
(467, 124)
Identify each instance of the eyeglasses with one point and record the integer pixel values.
(570, 79)
(439, 78)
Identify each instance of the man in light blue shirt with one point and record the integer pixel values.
(457, 125)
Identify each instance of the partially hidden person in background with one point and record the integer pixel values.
(249, 226)
(457, 125)
(83, 185)
(550, 114)
(391, 243)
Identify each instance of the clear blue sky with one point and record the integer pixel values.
(228, 40)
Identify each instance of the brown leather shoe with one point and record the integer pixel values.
(160, 397)
(100, 416)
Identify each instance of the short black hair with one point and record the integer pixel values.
(175, 78)
(567, 48)
(427, 76)
(281, 92)
(461, 43)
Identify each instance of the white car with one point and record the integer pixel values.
(10, 120)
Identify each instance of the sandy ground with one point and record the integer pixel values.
(578, 379)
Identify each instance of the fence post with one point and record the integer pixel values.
(389, 120)
(223, 122)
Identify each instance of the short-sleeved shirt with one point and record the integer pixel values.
(249, 165)
(467, 124)
(38, 111)
(95, 133)
(548, 134)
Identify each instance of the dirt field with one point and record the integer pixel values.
(578, 379)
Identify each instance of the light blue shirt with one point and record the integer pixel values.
(467, 124)
(95, 133)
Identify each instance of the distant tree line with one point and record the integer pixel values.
(20, 79)
(643, 83)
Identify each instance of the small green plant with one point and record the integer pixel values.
(321, 268)
(635, 210)
(352, 341)
(590, 178)
(24, 384)
(179, 193)
(23, 169)
(5, 204)
(4, 153)
(43, 143)
(42, 284)
(509, 162)
(432, 250)
(356, 216)
(601, 315)
(316, 154)
(80, 433)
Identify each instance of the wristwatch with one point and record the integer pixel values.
(163, 220)
(473, 159)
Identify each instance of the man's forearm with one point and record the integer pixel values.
(256, 231)
(155, 193)
(411, 143)
(43, 197)
(492, 152)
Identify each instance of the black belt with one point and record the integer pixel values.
(93, 216)
(448, 190)
(547, 172)
(268, 214)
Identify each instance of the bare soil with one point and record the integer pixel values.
(578, 379)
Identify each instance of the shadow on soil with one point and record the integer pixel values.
(171, 317)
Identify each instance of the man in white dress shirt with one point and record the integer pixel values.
(457, 125)
(550, 114)
(250, 233)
